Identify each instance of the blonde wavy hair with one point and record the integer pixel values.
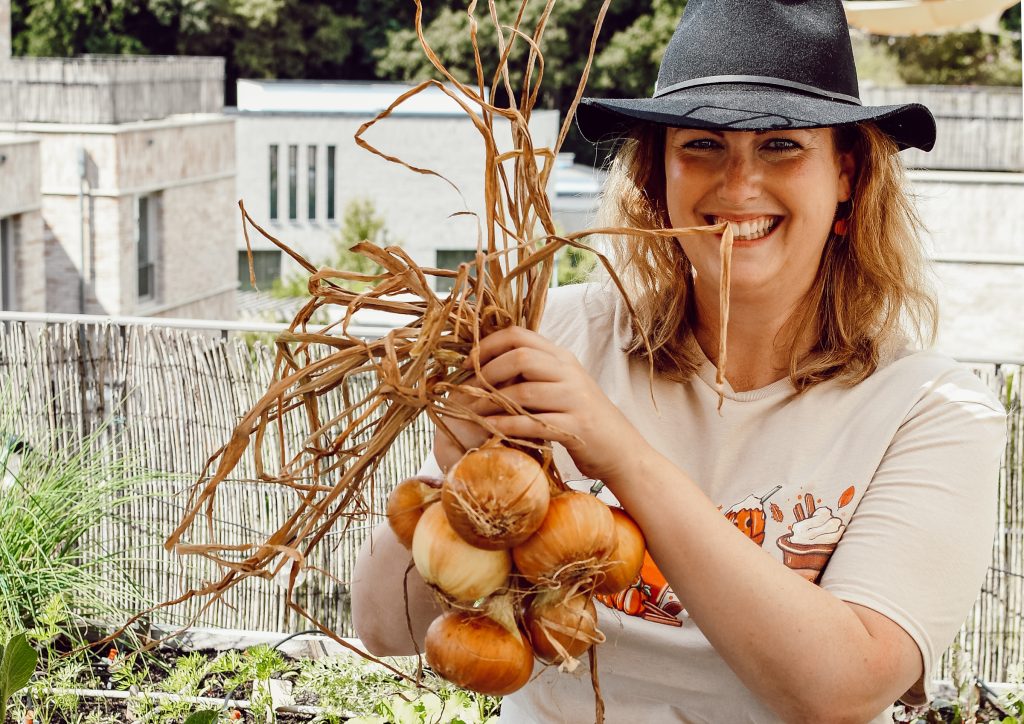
(871, 288)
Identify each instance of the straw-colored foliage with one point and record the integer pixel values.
(414, 367)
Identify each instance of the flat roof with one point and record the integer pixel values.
(356, 97)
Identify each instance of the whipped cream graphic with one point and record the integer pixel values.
(821, 528)
(751, 502)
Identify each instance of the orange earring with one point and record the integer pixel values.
(840, 227)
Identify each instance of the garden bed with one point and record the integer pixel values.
(237, 676)
(250, 676)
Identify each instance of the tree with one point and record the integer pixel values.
(57, 28)
(960, 58)
(632, 40)
(1011, 20)
(359, 222)
(628, 65)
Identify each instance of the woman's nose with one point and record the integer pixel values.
(740, 179)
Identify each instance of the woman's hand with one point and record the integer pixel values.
(567, 406)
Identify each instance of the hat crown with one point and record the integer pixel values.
(802, 43)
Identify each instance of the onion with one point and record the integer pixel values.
(482, 652)
(577, 535)
(561, 629)
(406, 504)
(496, 497)
(627, 557)
(451, 564)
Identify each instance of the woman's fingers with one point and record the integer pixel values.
(548, 426)
(523, 363)
(511, 338)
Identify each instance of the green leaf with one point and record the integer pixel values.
(206, 716)
(17, 665)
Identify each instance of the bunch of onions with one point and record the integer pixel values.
(481, 650)
(626, 558)
(407, 502)
(497, 507)
(576, 537)
(495, 497)
(561, 628)
(461, 571)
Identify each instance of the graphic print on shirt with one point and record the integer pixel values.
(813, 537)
(806, 548)
(749, 517)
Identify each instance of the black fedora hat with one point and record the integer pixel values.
(755, 65)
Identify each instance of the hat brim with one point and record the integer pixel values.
(751, 107)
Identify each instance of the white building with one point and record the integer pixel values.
(129, 163)
(299, 166)
(22, 280)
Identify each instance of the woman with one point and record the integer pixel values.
(801, 538)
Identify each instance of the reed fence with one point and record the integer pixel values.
(979, 128)
(170, 397)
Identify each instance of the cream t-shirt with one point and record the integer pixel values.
(883, 493)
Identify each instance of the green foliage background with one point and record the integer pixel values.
(374, 39)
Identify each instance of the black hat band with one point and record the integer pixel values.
(759, 80)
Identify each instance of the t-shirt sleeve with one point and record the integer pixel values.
(917, 548)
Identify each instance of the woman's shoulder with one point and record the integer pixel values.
(579, 315)
(934, 375)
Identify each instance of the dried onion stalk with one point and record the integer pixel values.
(416, 366)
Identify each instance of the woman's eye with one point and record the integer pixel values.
(782, 144)
(701, 144)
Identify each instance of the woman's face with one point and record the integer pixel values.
(778, 189)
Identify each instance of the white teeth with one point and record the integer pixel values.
(751, 228)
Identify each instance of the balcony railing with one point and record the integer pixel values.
(174, 391)
(108, 89)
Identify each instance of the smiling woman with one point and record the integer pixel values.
(801, 184)
(790, 571)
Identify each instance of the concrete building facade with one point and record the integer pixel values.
(299, 167)
(150, 206)
(22, 280)
(132, 165)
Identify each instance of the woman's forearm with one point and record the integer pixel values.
(381, 581)
(795, 645)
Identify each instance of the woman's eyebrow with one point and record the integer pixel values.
(721, 134)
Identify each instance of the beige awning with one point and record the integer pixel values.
(913, 17)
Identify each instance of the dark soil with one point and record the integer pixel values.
(99, 672)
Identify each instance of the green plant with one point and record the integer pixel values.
(956, 58)
(258, 664)
(575, 266)
(359, 222)
(17, 662)
(347, 685)
(53, 497)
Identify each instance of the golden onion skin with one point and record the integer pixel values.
(495, 497)
(405, 506)
(626, 559)
(578, 528)
(476, 652)
(547, 614)
(445, 560)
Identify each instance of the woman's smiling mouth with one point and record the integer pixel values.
(748, 229)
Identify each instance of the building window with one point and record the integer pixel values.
(273, 182)
(450, 259)
(8, 291)
(145, 246)
(330, 183)
(293, 182)
(265, 264)
(311, 181)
